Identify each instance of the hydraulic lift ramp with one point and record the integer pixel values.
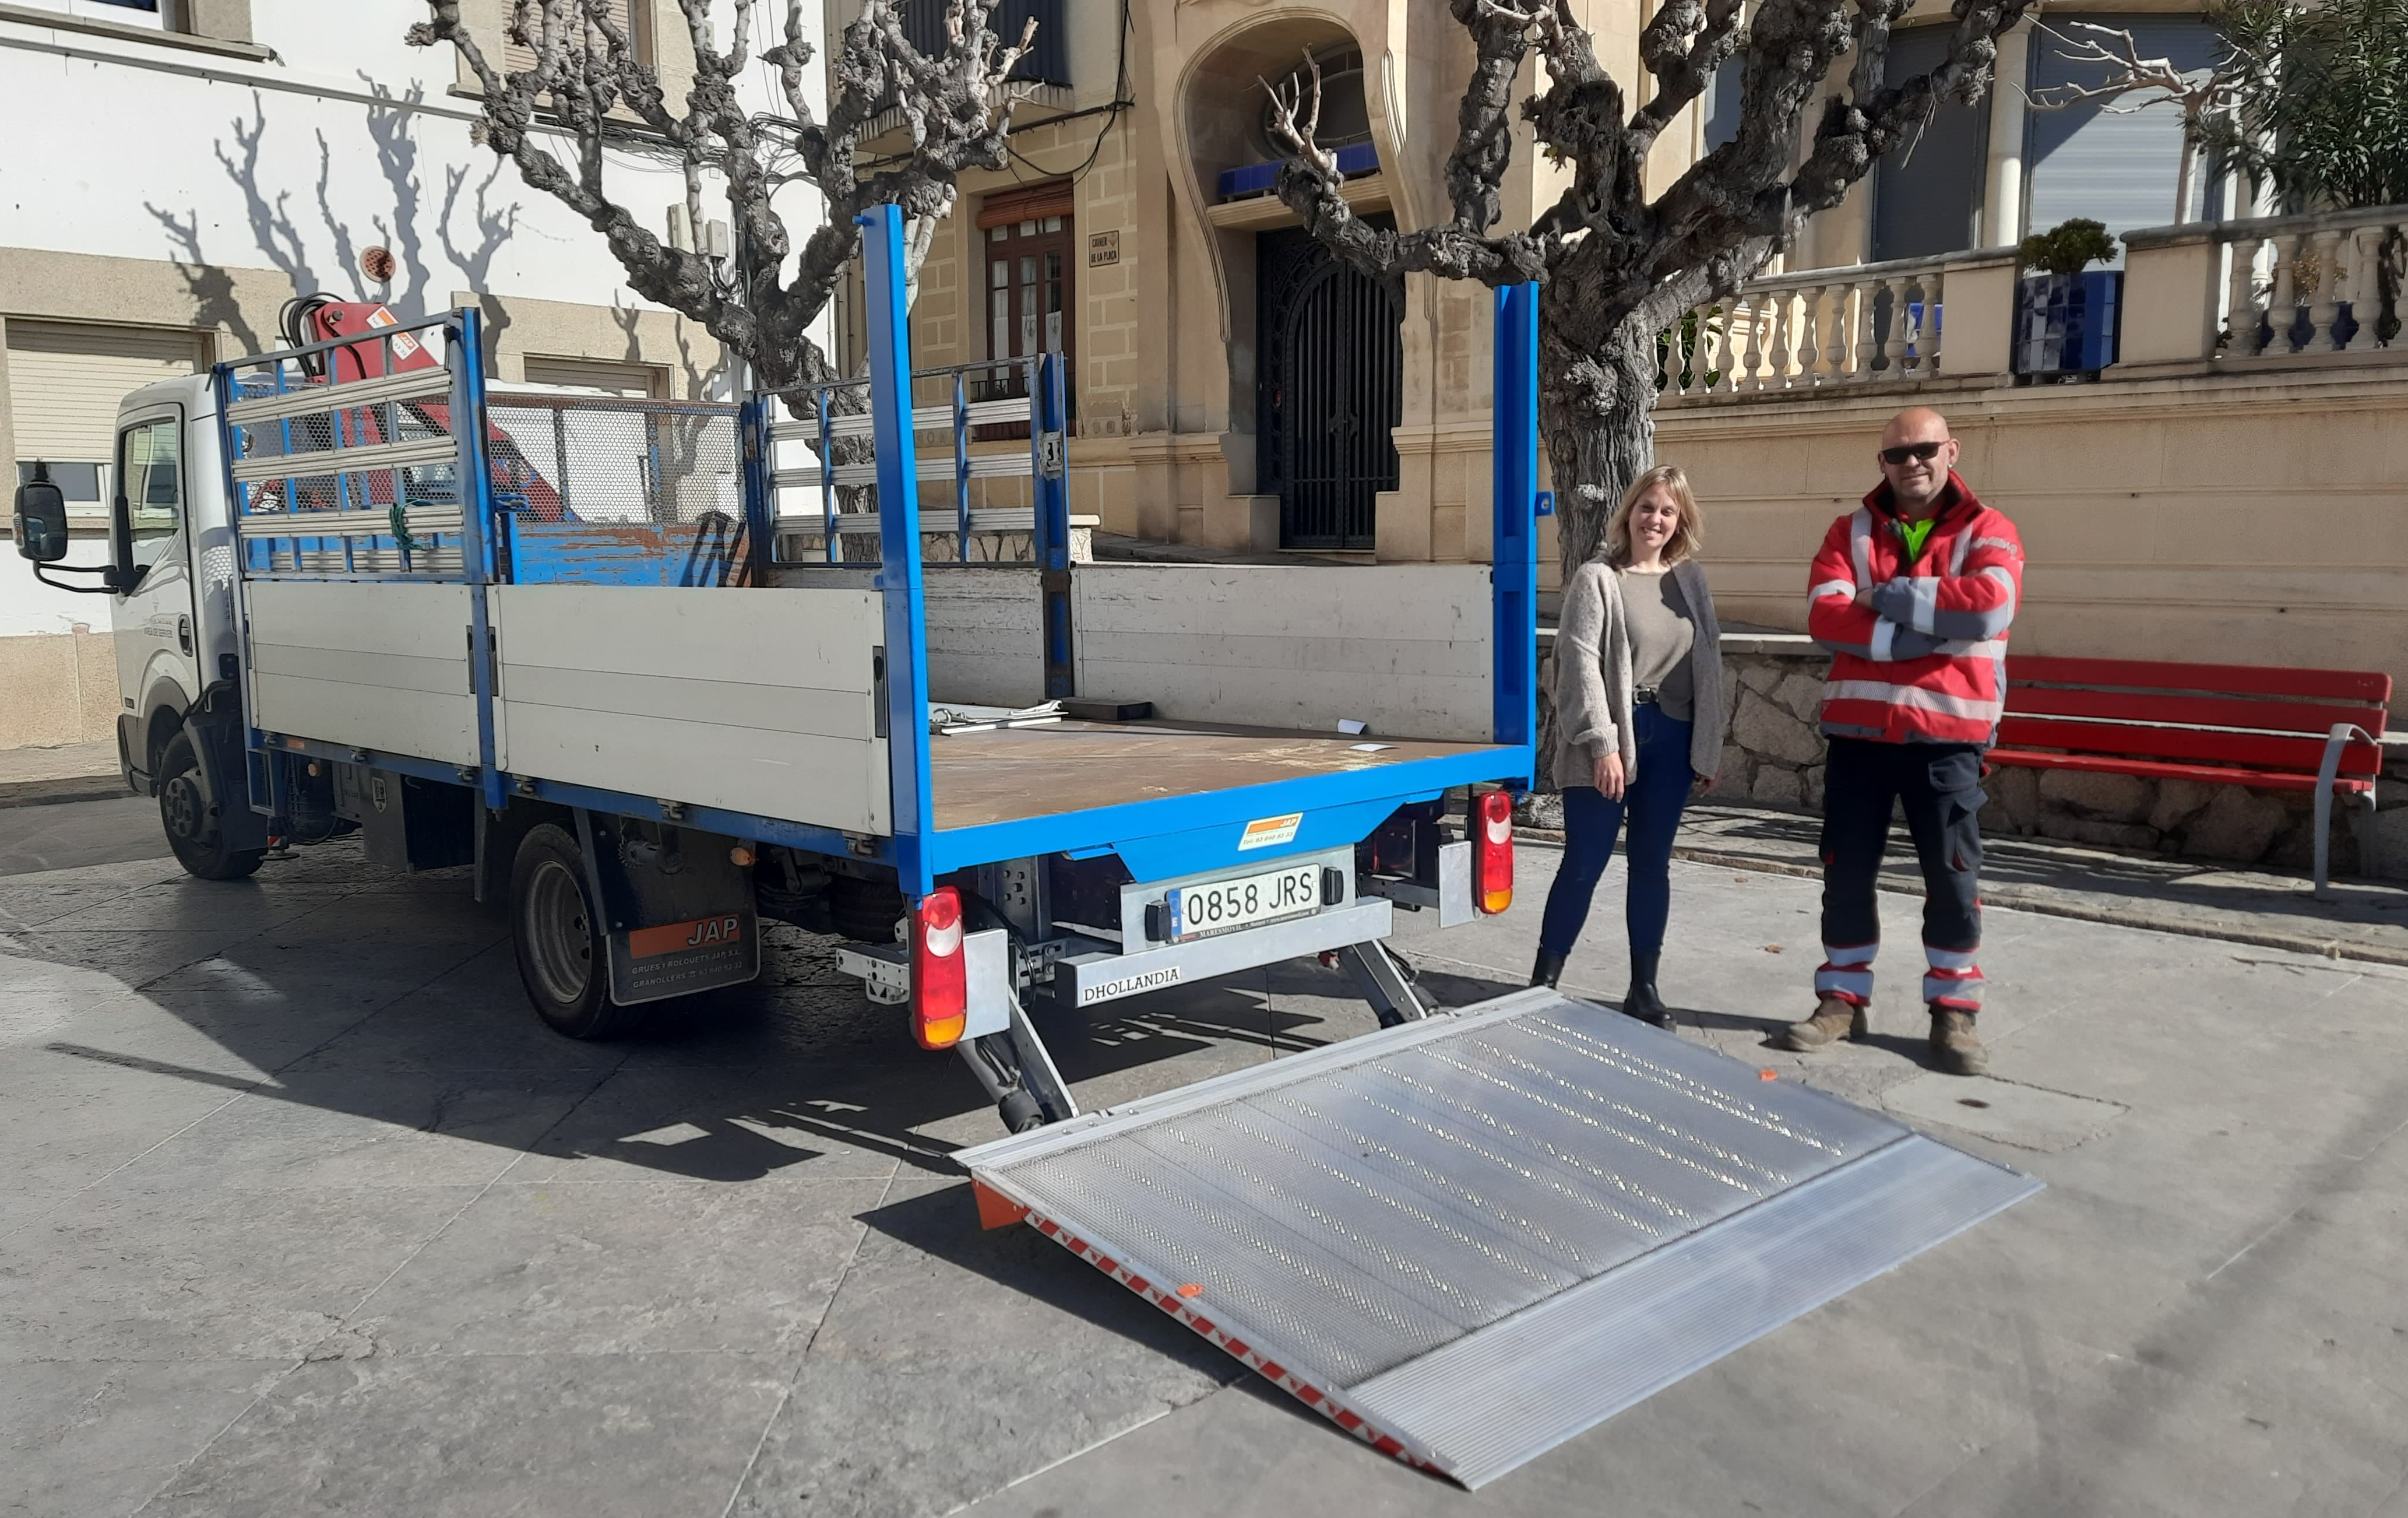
(1468, 1238)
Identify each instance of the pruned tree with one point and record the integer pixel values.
(2130, 82)
(1617, 265)
(586, 90)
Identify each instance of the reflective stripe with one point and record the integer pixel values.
(1971, 648)
(2000, 573)
(1860, 542)
(1962, 993)
(1884, 635)
(1832, 587)
(1913, 697)
(1856, 983)
(1926, 610)
(1835, 954)
(1956, 555)
(1949, 959)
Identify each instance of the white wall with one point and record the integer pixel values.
(348, 139)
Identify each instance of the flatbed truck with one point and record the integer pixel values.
(586, 647)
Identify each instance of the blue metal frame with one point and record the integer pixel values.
(910, 808)
(1170, 835)
(1514, 552)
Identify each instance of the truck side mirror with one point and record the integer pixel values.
(41, 519)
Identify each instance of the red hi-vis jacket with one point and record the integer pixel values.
(1927, 662)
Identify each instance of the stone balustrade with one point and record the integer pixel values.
(2272, 291)
(1848, 326)
(2312, 284)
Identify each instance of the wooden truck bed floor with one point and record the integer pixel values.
(1007, 774)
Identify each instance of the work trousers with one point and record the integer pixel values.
(1939, 785)
(1651, 803)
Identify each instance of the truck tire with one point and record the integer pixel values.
(195, 838)
(564, 955)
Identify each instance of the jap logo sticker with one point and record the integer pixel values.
(1270, 831)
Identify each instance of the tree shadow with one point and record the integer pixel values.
(277, 233)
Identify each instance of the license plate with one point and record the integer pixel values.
(1240, 902)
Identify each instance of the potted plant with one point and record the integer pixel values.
(2067, 315)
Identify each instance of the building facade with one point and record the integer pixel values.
(1234, 392)
(179, 171)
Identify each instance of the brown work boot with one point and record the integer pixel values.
(1835, 1018)
(1954, 1044)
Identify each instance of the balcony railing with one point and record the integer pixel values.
(2314, 285)
(2283, 292)
(1827, 326)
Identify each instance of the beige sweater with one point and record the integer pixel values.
(1592, 675)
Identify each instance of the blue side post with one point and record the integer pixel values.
(1515, 573)
(475, 489)
(1049, 492)
(760, 513)
(899, 532)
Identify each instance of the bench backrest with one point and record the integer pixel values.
(2263, 717)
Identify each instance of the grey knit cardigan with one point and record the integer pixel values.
(1592, 675)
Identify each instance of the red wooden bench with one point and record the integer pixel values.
(2273, 728)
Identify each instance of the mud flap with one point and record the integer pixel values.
(679, 907)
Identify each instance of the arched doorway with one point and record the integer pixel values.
(1328, 391)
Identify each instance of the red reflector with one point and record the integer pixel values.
(994, 1209)
(1492, 850)
(940, 983)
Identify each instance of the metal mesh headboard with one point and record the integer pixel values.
(596, 459)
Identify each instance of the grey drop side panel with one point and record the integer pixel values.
(1482, 1233)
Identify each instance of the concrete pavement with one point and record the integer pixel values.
(306, 1213)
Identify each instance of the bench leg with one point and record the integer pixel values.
(2364, 825)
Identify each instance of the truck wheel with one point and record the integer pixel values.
(564, 957)
(184, 815)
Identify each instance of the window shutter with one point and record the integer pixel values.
(633, 17)
(66, 379)
(2117, 168)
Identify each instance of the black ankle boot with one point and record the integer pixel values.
(1548, 968)
(1641, 1000)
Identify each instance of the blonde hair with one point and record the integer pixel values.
(1686, 539)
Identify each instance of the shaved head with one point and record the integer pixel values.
(1916, 455)
(1916, 423)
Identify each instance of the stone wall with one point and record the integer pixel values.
(1772, 693)
(60, 687)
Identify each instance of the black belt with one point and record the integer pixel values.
(1644, 695)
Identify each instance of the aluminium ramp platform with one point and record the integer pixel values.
(1469, 1238)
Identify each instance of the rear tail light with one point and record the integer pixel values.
(1492, 850)
(940, 997)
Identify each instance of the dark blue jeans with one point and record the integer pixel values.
(1654, 801)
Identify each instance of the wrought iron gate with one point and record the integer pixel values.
(1328, 389)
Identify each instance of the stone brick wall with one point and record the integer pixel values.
(1773, 692)
(62, 689)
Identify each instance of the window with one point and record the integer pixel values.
(2115, 166)
(1720, 106)
(1031, 285)
(1927, 191)
(150, 485)
(633, 17)
(1048, 60)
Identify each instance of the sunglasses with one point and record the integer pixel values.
(1912, 450)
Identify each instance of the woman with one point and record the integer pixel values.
(1639, 717)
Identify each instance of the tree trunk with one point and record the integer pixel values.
(1596, 420)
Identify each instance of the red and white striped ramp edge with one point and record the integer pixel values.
(1471, 1238)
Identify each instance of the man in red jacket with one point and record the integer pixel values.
(1912, 593)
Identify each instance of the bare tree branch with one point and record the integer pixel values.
(587, 89)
